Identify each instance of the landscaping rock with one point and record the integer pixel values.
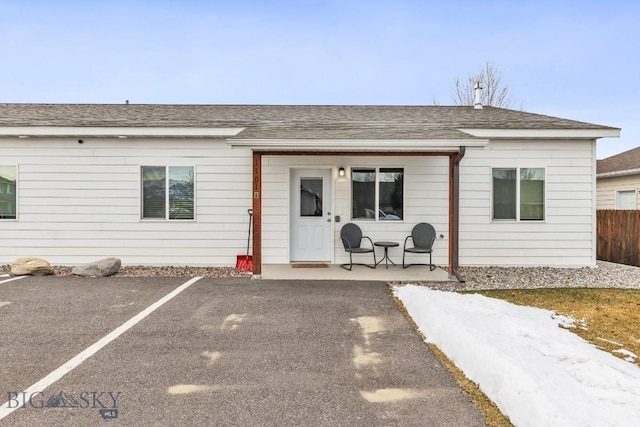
(29, 266)
(101, 268)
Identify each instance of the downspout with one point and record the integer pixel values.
(455, 220)
(594, 207)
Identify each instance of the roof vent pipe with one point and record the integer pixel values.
(478, 88)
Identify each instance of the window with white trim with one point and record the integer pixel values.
(8, 199)
(377, 194)
(168, 192)
(626, 199)
(518, 194)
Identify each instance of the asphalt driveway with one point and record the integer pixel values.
(221, 352)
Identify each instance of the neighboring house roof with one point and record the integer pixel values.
(297, 121)
(626, 163)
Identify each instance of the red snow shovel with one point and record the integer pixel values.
(245, 262)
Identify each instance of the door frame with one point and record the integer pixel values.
(331, 186)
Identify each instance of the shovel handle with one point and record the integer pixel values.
(250, 212)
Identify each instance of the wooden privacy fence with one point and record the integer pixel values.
(619, 236)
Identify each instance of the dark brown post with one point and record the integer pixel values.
(454, 213)
(256, 196)
(452, 217)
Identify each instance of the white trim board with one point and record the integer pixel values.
(544, 133)
(356, 144)
(618, 173)
(125, 132)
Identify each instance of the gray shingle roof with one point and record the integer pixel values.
(291, 121)
(628, 160)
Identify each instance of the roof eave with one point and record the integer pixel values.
(618, 173)
(355, 144)
(121, 132)
(543, 133)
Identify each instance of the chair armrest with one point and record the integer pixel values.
(370, 241)
(405, 242)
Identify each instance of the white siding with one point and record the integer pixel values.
(80, 202)
(564, 238)
(608, 188)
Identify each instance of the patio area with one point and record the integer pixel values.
(418, 273)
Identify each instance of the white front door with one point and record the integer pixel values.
(311, 219)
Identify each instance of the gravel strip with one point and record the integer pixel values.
(165, 271)
(606, 275)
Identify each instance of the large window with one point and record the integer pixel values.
(7, 192)
(518, 194)
(167, 192)
(377, 193)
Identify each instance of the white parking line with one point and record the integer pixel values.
(12, 279)
(94, 348)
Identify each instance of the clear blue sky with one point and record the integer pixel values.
(573, 59)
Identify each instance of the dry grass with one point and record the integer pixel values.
(604, 316)
(492, 415)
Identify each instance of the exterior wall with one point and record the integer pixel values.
(81, 202)
(567, 235)
(426, 199)
(608, 188)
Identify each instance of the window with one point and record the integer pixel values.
(167, 192)
(518, 194)
(8, 192)
(626, 199)
(311, 196)
(377, 193)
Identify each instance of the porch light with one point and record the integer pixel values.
(341, 171)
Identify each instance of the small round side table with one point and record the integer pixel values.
(386, 246)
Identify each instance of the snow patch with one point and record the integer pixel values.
(191, 388)
(629, 356)
(609, 341)
(233, 321)
(564, 321)
(537, 373)
(386, 395)
(362, 357)
(211, 356)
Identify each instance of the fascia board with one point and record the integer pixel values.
(159, 132)
(544, 133)
(353, 144)
(618, 173)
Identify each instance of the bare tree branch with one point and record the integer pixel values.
(494, 92)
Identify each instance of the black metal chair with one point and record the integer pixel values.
(351, 236)
(423, 235)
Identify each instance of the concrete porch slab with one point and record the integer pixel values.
(418, 273)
